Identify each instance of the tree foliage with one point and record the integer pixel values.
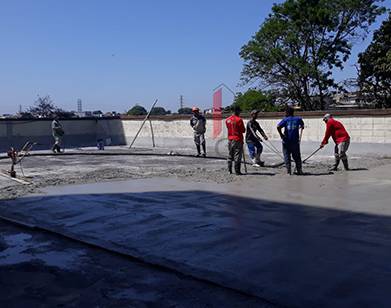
(301, 42)
(45, 108)
(375, 68)
(158, 111)
(137, 110)
(255, 99)
(185, 110)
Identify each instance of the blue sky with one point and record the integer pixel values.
(114, 54)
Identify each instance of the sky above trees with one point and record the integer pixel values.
(115, 54)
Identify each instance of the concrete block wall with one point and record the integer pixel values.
(78, 132)
(361, 129)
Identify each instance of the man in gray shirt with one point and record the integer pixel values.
(198, 123)
(58, 133)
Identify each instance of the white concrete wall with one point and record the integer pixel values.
(361, 129)
(178, 134)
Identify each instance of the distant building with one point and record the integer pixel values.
(348, 100)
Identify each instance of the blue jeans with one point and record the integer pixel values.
(292, 149)
(255, 150)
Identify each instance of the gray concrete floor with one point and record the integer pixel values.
(39, 269)
(320, 240)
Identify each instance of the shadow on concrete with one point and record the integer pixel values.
(289, 254)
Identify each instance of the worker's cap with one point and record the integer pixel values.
(195, 109)
(327, 116)
(255, 111)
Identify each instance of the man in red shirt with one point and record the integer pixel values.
(236, 129)
(337, 131)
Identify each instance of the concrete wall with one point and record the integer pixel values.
(361, 129)
(368, 133)
(177, 133)
(78, 132)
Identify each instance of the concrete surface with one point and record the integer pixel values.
(38, 269)
(321, 240)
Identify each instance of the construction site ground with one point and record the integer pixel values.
(162, 228)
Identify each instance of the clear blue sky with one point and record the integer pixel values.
(114, 54)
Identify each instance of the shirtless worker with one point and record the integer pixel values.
(253, 141)
(198, 123)
(291, 138)
(337, 131)
(236, 129)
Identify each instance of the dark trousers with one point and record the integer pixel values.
(235, 153)
(292, 150)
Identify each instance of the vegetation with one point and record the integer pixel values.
(137, 110)
(301, 42)
(375, 68)
(255, 99)
(45, 108)
(158, 111)
(185, 110)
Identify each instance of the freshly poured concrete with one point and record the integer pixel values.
(312, 241)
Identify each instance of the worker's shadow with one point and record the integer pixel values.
(260, 173)
(358, 169)
(317, 173)
(331, 172)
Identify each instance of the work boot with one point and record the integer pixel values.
(345, 164)
(230, 167)
(198, 150)
(336, 164)
(237, 168)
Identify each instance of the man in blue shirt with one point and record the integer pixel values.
(291, 137)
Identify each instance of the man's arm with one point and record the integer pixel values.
(326, 135)
(280, 126)
(279, 129)
(301, 129)
(242, 129)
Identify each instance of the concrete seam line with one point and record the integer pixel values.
(130, 256)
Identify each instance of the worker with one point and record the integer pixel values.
(198, 123)
(291, 138)
(253, 141)
(337, 131)
(58, 133)
(236, 129)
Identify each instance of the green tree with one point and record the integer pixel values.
(254, 99)
(375, 68)
(137, 110)
(185, 110)
(158, 111)
(301, 42)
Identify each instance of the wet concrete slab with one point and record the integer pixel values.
(38, 269)
(311, 241)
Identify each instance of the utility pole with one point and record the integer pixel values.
(79, 106)
(181, 102)
(20, 109)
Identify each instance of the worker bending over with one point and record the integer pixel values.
(337, 131)
(198, 123)
(236, 129)
(291, 138)
(253, 141)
